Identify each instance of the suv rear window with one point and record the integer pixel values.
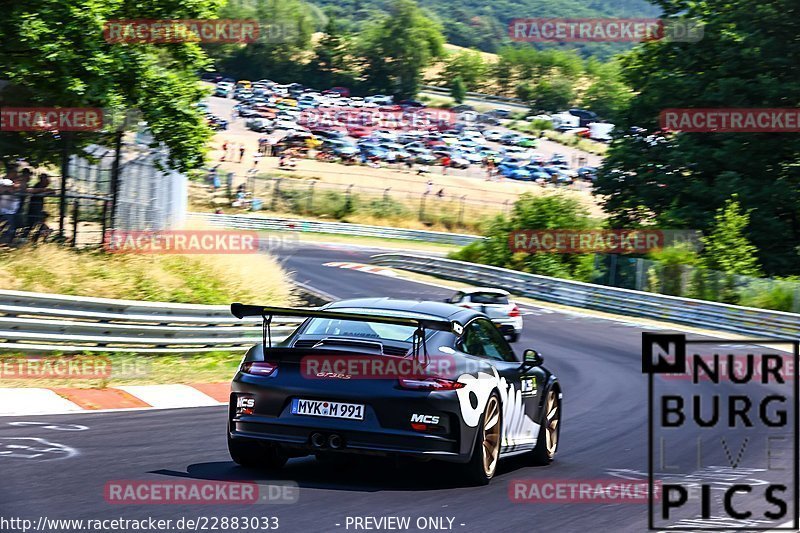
(489, 298)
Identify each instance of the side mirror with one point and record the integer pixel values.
(532, 357)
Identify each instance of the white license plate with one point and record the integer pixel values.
(350, 411)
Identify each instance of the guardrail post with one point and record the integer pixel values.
(386, 194)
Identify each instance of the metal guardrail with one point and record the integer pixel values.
(35, 322)
(477, 96)
(247, 222)
(717, 316)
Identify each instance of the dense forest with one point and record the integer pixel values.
(484, 25)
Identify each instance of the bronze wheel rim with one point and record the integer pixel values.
(491, 436)
(552, 417)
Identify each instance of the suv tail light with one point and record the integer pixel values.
(430, 384)
(259, 368)
(515, 312)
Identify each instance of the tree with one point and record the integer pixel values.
(469, 66)
(551, 95)
(525, 92)
(397, 47)
(727, 248)
(503, 73)
(608, 95)
(457, 90)
(331, 63)
(280, 44)
(746, 59)
(54, 55)
(534, 213)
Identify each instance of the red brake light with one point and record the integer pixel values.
(515, 312)
(259, 368)
(431, 384)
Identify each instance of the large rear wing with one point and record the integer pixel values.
(421, 323)
(439, 324)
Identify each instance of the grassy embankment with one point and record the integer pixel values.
(206, 279)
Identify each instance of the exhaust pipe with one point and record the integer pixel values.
(317, 440)
(335, 442)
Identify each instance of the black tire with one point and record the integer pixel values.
(545, 451)
(251, 453)
(475, 472)
(513, 336)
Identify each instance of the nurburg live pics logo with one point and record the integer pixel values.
(722, 418)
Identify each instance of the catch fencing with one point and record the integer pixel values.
(257, 223)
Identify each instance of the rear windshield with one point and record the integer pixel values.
(489, 298)
(366, 330)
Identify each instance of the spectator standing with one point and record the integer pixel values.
(36, 214)
(445, 164)
(241, 152)
(224, 151)
(9, 203)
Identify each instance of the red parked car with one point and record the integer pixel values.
(343, 91)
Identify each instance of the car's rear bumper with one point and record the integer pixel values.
(385, 429)
(297, 435)
(509, 325)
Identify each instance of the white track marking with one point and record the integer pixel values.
(163, 396)
(361, 267)
(23, 401)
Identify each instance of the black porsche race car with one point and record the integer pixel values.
(391, 377)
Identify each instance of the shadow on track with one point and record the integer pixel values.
(356, 473)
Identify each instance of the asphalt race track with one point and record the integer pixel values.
(604, 434)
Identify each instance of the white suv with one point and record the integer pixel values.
(495, 304)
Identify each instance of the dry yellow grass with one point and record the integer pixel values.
(199, 279)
